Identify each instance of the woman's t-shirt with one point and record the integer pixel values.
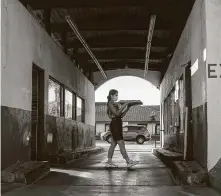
(109, 113)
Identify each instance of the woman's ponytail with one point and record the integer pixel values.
(108, 98)
(111, 92)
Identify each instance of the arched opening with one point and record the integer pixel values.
(146, 115)
(154, 77)
(129, 88)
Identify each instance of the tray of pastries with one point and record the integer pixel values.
(133, 102)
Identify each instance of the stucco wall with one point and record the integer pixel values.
(213, 25)
(191, 47)
(25, 42)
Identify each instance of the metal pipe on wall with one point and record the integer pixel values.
(75, 29)
(149, 40)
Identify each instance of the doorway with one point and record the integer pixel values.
(37, 118)
(188, 140)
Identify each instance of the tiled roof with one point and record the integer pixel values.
(136, 113)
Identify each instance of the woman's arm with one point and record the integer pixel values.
(125, 112)
(117, 112)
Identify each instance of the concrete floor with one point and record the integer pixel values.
(89, 177)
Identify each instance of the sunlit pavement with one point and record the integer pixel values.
(131, 146)
(89, 177)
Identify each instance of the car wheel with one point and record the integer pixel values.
(140, 140)
(109, 139)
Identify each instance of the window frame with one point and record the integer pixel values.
(60, 86)
(74, 101)
(82, 109)
(62, 101)
(74, 106)
(73, 94)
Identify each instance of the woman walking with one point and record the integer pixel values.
(116, 112)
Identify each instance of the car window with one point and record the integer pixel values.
(133, 128)
(125, 129)
(130, 128)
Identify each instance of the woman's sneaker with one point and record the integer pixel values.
(131, 163)
(110, 164)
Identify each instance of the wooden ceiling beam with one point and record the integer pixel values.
(160, 33)
(121, 55)
(153, 49)
(128, 60)
(42, 4)
(46, 19)
(109, 24)
(114, 66)
(121, 63)
(121, 41)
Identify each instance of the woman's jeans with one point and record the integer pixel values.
(121, 145)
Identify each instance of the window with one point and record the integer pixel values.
(80, 109)
(54, 92)
(68, 104)
(74, 112)
(177, 91)
(63, 102)
(131, 128)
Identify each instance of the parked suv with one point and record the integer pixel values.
(137, 133)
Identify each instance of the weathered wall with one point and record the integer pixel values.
(191, 48)
(15, 128)
(24, 42)
(213, 25)
(152, 76)
(174, 142)
(201, 43)
(68, 135)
